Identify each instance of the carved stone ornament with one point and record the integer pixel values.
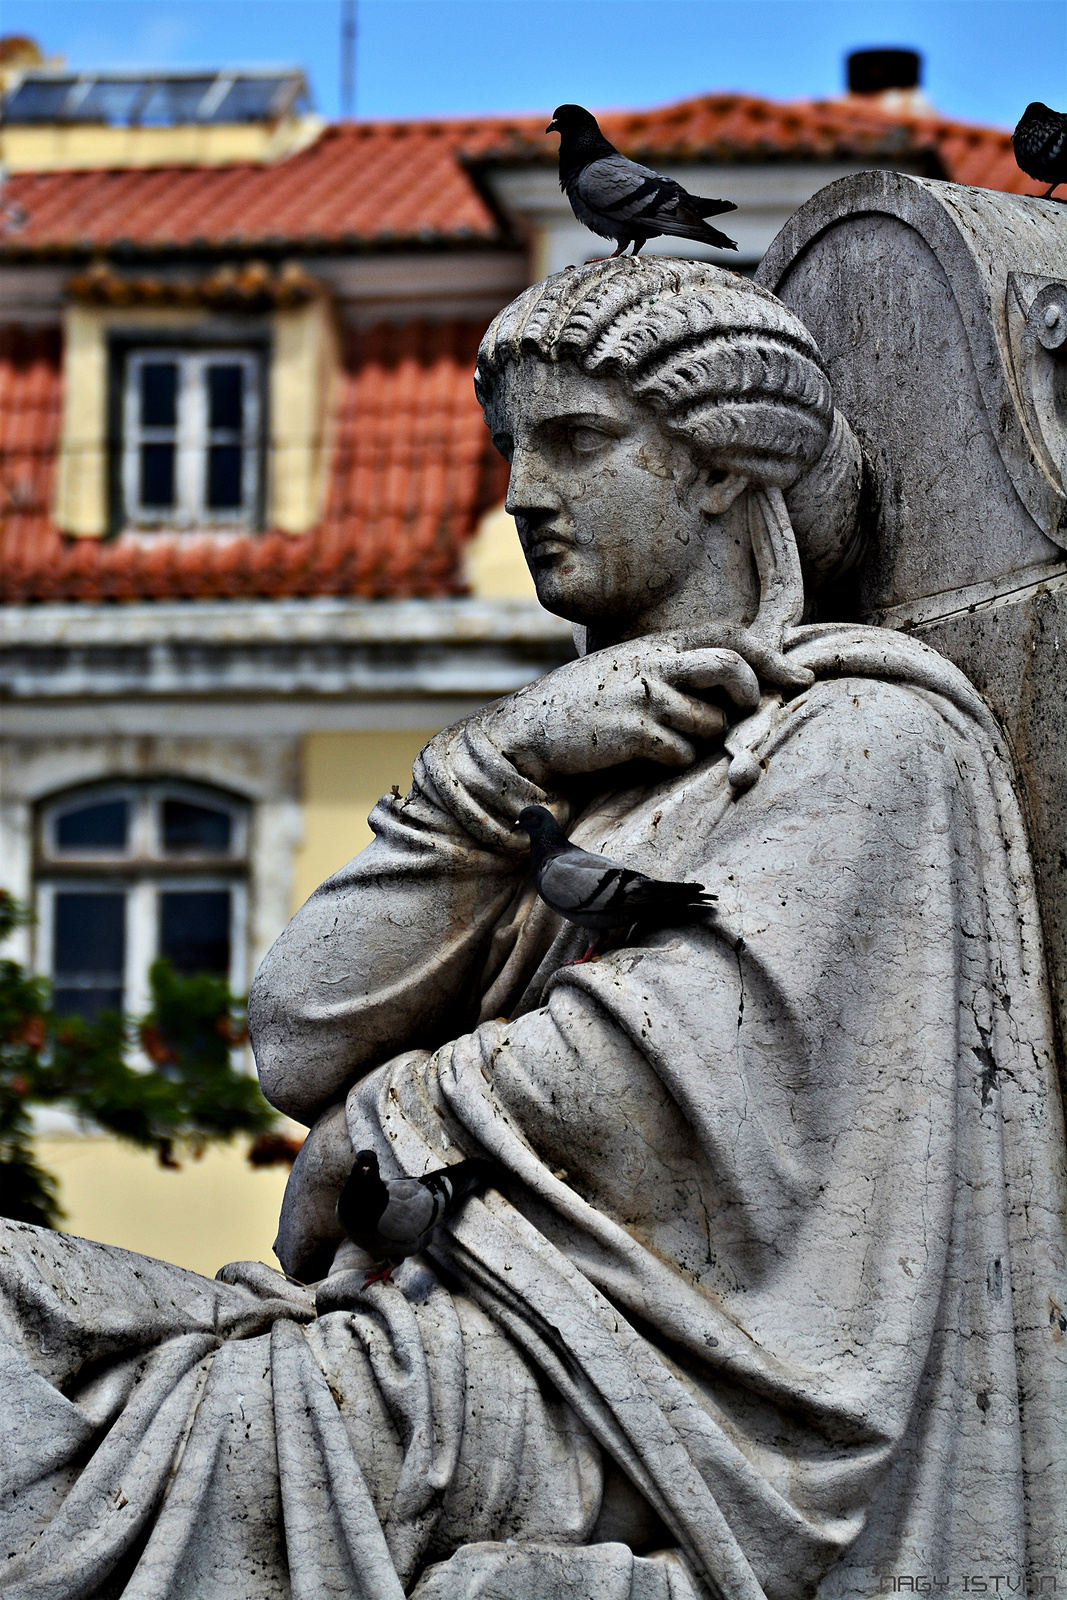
(771, 1301)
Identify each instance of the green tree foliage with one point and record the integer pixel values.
(192, 1098)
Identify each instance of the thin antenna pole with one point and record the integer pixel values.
(348, 58)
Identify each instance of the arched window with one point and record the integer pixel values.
(127, 872)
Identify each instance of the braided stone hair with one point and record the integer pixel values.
(728, 368)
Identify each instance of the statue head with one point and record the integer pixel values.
(674, 445)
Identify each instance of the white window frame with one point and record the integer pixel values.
(142, 872)
(191, 437)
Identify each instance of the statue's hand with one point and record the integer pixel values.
(645, 700)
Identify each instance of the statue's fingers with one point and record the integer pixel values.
(718, 669)
(685, 713)
(658, 742)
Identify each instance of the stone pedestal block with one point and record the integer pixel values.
(941, 312)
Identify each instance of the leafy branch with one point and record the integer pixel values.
(194, 1096)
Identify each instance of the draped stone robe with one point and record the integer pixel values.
(781, 1242)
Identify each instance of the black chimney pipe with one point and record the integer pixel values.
(872, 71)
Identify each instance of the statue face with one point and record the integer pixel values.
(616, 520)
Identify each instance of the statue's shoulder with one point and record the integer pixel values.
(858, 722)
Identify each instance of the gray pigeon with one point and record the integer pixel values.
(620, 200)
(391, 1218)
(596, 892)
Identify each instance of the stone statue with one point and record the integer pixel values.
(771, 1302)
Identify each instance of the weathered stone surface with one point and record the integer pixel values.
(918, 293)
(942, 315)
(770, 1300)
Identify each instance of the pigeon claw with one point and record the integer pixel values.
(590, 954)
(382, 1273)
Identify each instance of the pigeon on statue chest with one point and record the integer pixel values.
(597, 893)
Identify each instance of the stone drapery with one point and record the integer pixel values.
(784, 1229)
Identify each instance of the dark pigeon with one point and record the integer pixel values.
(1040, 143)
(620, 200)
(596, 892)
(391, 1218)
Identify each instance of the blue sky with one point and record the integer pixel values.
(984, 58)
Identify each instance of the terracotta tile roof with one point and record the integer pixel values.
(364, 183)
(412, 467)
(744, 127)
(379, 183)
(411, 475)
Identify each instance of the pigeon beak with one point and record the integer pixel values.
(553, 127)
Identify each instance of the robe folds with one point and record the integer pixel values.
(780, 1247)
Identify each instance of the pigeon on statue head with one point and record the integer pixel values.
(621, 200)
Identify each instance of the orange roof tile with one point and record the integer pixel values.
(411, 474)
(376, 183)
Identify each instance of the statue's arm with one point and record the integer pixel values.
(388, 953)
(395, 949)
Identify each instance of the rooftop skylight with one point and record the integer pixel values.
(155, 99)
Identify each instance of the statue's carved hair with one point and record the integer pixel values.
(727, 367)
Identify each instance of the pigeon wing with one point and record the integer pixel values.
(411, 1213)
(618, 198)
(1039, 142)
(577, 881)
(624, 191)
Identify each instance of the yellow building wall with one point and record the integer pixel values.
(496, 566)
(49, 147)
(344, 775)
(214, 1210)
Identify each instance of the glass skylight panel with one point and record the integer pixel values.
(254, 100)
(108, 100)
(155, 99)
(174, 100)
(37, 100)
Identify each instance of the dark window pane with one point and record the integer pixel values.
(100, 827)
(190, 827)
(194, 930)
(89, 940)
(225, 388)
(224, 477)
(157, 475)
(87, 1003)
(159, 394)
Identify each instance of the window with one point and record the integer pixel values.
(191, 438)
(129, 872)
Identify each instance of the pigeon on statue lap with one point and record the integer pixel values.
(597, 893)
(392, 1218)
